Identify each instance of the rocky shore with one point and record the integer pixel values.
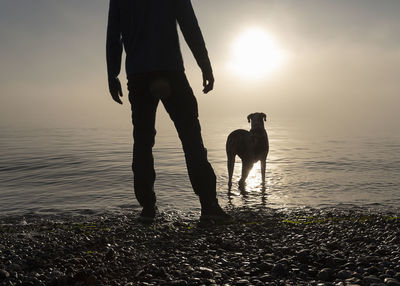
(260, 247)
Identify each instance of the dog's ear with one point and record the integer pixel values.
(264, 116)
(249, 117)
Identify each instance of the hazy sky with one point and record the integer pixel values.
(341, 71)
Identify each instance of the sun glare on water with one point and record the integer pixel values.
(255, 54)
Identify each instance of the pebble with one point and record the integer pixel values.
(178, 283)
(343, 274)
(242, 282)
(325, 274)
(265, 278)
(303, 255)
(4, 274)
(349, 265)
(206, 272)
(373, 270)
(391, 282)
(369, 280)
(278, 270)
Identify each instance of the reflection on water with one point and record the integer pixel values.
(88, 170)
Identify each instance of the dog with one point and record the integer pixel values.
(251, 146)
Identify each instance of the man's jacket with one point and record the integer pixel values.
(147, 29)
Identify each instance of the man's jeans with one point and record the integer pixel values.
(174, 91)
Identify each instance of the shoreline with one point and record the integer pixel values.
(260, 247)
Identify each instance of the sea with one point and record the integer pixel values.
(75, 171)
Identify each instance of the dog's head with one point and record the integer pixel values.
(257, 120)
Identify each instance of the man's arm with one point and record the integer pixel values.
(191, 32)
(114, 51)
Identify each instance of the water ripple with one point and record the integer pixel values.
(72, 170)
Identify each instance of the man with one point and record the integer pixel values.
(147, 29)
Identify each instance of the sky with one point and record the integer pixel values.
(340, 71)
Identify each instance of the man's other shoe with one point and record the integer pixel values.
(214, 213)
(148, 214)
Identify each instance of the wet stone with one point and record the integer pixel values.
(178, 283)
(373, 270)
(391, 282)
(349, 265)
(312, 272)
(266, 266)
(91, 280)
(339, 261)
(343, 274)
(194, 280)
(373, 259)
(197, 274)
(303, 267)
(325, 274)
(353, 281)
(242, 282)
(266, 278)
(303, 255)
(390, 273)
(110, 254)
(208, 281)
(369, 280)
(360, 269)
(205, 272)
(4, 274)
(279, 270)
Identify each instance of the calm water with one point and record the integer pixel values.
(77, 171)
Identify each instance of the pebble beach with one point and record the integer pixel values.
(259, 247)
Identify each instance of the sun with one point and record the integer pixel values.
(255, 54)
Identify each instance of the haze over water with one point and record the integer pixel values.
(60, 171)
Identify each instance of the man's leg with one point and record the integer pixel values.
(181, 106)
(144, 108)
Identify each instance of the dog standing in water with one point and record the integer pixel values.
(251, 146)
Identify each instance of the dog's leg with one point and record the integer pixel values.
(247, 165)
(263, 167)
(231, 166)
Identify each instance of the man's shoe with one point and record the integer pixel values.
(148, 214)
(214, 213)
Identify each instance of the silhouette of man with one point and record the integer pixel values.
(147, 29)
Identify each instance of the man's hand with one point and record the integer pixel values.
(208, 81)
(115, 89)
